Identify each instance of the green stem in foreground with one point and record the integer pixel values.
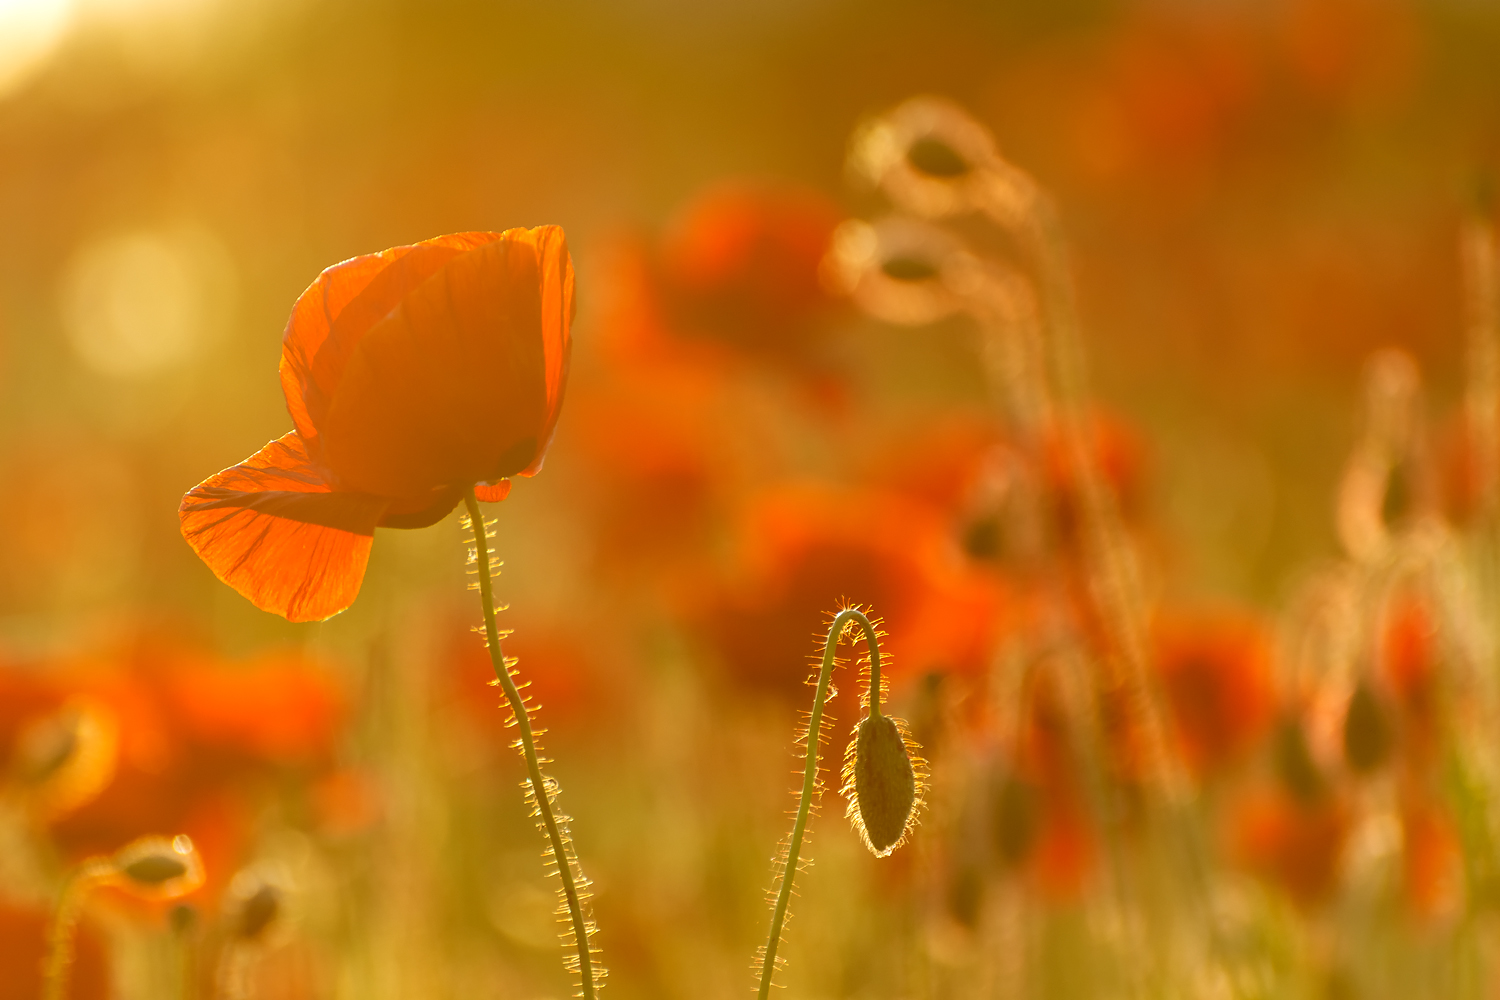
(64, 926)
(810, 776)
(539, 792)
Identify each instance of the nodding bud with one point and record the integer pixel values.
(1368, 735)
(158, 868)
(258, 904)
(928, 156)
(882, 782)
(65, 759)
(900, 270)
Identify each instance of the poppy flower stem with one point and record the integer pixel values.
(789, 862)
(543, 790)
(64, 927)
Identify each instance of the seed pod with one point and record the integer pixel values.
(883, 782)
(158, 868)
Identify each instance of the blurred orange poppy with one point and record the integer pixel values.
(738, 271)
(1298, 844)
(804, 547)
(411, 375)
(199, 742)
(1215, 671)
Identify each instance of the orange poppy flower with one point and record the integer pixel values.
(411, 375)
(1298, 844)
(1215, 672)
(199, 743)
(805, 547)
(737, 273)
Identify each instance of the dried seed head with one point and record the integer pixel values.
(883, 782)
(158, 868)
(65, 759)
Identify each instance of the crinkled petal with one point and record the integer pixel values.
(342, 305)
(492, 492)
(274, 530)
(461, 383)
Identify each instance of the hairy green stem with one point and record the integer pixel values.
(810, 776)
(528, 749)
(64, 927)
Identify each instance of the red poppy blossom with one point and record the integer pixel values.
(736, 273)
(804, 547)
(1298, 845)
(1215, 672)
(411, 375)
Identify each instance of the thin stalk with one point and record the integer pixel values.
(810, 776)
(539, 792)
(64, 926)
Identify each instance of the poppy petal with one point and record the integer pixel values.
(462, 381)
(492, 492)
(342, 305)
(274, 530)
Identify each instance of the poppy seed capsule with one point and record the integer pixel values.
(881, 783)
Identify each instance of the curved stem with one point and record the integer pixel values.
(64, 926)
(539, 793)
(810, 776)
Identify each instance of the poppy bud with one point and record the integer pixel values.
(258, 905)
(882, 782)
(158, 868)
(65, 759)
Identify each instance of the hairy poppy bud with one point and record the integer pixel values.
(158, 868)
(882, 782)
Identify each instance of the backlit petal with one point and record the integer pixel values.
(274, 530)
(462, 382)
(342, 305)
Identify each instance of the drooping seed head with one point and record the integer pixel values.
(883, 783)
(158, 868)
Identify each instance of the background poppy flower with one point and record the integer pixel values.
(1215, 670)
(803, 547)
(411, 375)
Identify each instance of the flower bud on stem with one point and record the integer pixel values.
(884, 782)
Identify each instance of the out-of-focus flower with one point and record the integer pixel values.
(198, 742)
(804, 547)
(565, 678)
(1432, 863)
(1411, 669)
(1117, 450)
(1215, 671)
(1296, 843)
(663, 456)
(738, 270)
(411, 375)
